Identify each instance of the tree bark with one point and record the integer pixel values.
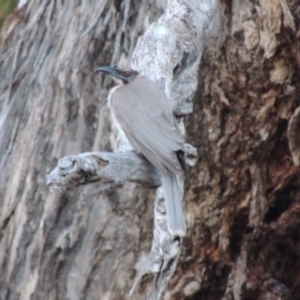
(79, 244)
(242, 205)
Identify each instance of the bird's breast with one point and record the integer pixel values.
(116, 122)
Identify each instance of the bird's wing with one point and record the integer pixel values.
(146, 116)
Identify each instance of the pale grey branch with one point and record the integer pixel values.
(169, 53)
(91, 167)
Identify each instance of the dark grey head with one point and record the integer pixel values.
(119, 75)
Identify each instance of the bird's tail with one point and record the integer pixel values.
(175, 216)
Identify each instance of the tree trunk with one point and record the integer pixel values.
(242, 205)
(78, 244)
(244, 198)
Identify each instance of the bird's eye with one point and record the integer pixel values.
(128, 72)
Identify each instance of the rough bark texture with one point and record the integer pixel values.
(243, 205)
(79, 244)
(244, 201)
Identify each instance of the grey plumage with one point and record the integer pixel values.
(143, 114)
(146, 117)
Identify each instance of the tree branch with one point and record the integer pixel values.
(91, 167)
(169, 53)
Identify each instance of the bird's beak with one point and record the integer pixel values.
(106, 70)
(113, 72)
(120, 76)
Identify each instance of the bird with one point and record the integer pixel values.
(144, 117)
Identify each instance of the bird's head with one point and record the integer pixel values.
(120, 76)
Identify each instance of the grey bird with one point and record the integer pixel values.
(144, 116)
